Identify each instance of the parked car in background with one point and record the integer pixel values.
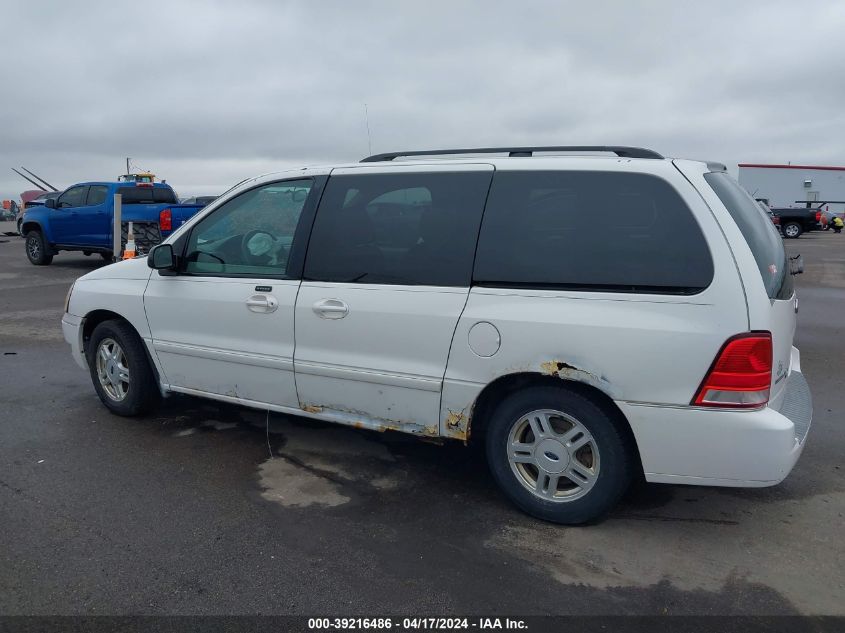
(37, 201)
(468, 298)
(201, 200)
(41, 199)
(796, 220)
(81, 218)
(774, 219)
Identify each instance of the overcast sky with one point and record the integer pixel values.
(205, 94)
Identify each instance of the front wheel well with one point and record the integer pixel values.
(93, 319)
(496, 392)
(26, 227)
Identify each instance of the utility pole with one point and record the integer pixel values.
(127, 165)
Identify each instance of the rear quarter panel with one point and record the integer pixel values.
(778, 317)
(633, 347)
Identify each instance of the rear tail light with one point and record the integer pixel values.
(776, 219)
(741, 375)
(818, 216)
(165, 220)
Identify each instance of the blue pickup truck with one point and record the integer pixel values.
(82, 219)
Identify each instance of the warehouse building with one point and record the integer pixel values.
(786, 185)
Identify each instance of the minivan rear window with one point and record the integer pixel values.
(147, 195)
(586, 230)
(759, 232)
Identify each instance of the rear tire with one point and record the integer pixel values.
(792, 230)
(559, 455)
(37, 250)
(120, 369)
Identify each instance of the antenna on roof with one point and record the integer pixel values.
(367, 122)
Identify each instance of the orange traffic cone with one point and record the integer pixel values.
(129, 250)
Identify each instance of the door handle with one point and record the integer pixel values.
(331, 309)
(262, 303)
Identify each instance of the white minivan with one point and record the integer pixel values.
(591, 314)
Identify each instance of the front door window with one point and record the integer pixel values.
(250, 235)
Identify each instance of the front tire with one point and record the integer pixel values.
(120, 369)
(559, 455)
(37, 250)
(792, 230)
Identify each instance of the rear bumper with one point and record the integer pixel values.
(72, 330)
(697, 445)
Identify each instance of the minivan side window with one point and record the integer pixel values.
(406, 229)
(250, 235)
(758, 230)
(591, 230)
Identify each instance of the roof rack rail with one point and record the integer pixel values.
(621, 151)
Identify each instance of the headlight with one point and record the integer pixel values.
(67, 298)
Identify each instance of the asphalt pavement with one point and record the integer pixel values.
(203, 508)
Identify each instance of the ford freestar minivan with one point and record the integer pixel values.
(592, 314)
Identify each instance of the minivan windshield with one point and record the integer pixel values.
(758, 230)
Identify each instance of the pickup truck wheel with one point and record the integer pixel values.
(37, 250)
(120, 369)
(792, 229)
(558, 455)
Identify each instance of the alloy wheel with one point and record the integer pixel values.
(112, 369)
(33, 247)
(553, 455)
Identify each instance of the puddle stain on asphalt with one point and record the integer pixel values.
(323, 465)
(312, 463)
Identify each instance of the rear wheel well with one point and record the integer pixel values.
(495, 392)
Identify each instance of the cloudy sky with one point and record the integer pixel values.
(208, 93)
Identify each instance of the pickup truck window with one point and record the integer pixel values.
(73, 197)
(251, 235)
(147, 195)
(97, 195)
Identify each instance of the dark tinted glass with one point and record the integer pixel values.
(409, 229)
(73, 197)
(147, 195)
(591, 230)
(759, 232)
(97, 195)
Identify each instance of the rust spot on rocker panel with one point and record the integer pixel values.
(457, 425)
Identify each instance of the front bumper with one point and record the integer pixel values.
(72, 330)
(697, 445)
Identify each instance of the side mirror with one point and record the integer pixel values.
(50, 203)
(161, 257)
